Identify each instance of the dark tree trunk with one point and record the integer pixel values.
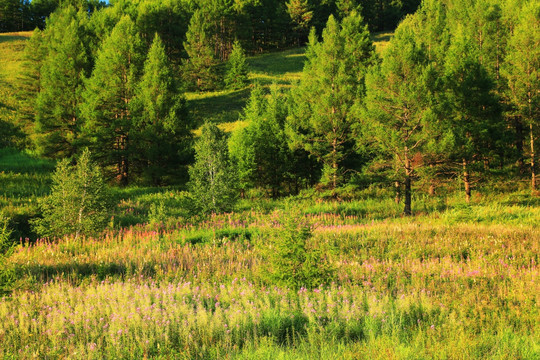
(533, 163)
(408, 174)
(466, 181)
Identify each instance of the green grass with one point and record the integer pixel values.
(11, 52)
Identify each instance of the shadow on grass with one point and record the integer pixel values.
(279, 64)
(218, 107)
(80, 271)
(12, 37)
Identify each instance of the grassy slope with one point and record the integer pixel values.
(282, 68)
(11, 51)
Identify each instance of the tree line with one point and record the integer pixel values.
(455, 94)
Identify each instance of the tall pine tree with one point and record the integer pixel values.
(61, 85)
(161, 136)
(334, 76)
(522, 71)
(108, 99)
(399, 120)
(200, 68)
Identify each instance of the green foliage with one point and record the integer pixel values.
(107, 107)
(5, 235)
(79, 203)
(294, 259)
(521, 68)
(260, 151)
(161, 135)
(212, 183)
(200, 69)
(58, 121)
(402, 82)
(334, 76)
(236, 76)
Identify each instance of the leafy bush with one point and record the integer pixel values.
(79, 202)
(294, 259)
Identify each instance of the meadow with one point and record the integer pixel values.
(453, 284)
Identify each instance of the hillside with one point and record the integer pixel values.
(11, 62)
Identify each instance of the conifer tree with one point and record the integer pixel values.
(236, 76)
(332, 83)
(162, 136)
(212, 179)
(108, 99)
(260, 151)
(61, 85)
(200, 68)
(472, 112)
(35, 52)
(521, 68)
(399, 118)
(301, 16)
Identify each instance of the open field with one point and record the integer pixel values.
(425, 287)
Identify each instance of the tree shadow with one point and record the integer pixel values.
(218, 107)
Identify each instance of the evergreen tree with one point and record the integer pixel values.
(61, 84)
(108, 99)
(301, 16)
(162, 136)
(35, 52)
(334, 77)
(260, 151)
(212, 178)
(200, 68)
(472, 113)
(236, 76)
(79, 203)
(399, 119)
(521, 68)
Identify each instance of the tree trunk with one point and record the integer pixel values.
(533, 173)
(408, 173)
(518, 143)
(466, 182)
(431, 182)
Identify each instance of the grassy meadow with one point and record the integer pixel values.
(453, 281)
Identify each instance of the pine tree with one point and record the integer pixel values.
(212, 178)
(108, 99)
(35, 52)
(334, 76)
(301, 16)
(236, 76)
(521, 68)
(200, 68)
(472, 111)
(162, 136)
(260, 151)
(61, 83)
(398, 118)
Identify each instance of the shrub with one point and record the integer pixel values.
(79, 202)
(294, 259)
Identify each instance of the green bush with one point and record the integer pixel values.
(294, 259)
(79, 203)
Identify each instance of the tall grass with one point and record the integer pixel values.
(403, 290)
